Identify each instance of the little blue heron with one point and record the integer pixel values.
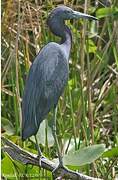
(48, 76)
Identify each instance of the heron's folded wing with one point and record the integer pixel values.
(45, 83)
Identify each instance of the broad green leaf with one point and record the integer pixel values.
(71, 143)
(42, 134)
(7, 126)
(111, 153)
(104, 12)
(8, 169)
(84, 156)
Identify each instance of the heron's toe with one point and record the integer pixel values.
(57, 171)
(40, 159)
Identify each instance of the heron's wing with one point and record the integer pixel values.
(46, 81)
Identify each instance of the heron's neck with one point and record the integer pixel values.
(66, 42)
(59, 28)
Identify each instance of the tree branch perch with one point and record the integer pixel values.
(18, 154)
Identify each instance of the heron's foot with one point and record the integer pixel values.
(57, 171)
(40, 157)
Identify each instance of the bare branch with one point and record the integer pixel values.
(18, 154)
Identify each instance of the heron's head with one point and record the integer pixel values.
(66, 13)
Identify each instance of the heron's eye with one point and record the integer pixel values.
(68, 12)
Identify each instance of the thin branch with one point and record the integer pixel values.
(18, 154)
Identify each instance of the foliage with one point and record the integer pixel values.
(88, 109)
(84, 156)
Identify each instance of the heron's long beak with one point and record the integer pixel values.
(77, 15)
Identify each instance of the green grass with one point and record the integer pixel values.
(88, 109)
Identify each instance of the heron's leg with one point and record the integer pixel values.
(55, 136)
(39, 150)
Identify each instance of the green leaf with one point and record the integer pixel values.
(8, 168)
(41, 135)
(7, 126)
(71, 84)
(84, 156)
(32, 172)
(111, 153)
(92, 47)
(104, 12)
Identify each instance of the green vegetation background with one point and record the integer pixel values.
(88, 109)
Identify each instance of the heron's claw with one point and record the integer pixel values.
(57, 171)
(40, 159)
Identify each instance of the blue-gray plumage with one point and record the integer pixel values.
(47, 78)
(48, 74)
